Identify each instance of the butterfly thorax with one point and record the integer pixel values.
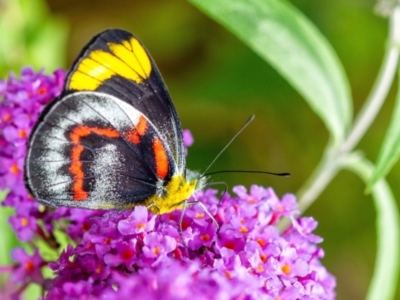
(175, 192)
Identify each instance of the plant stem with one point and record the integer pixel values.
(331, 162)
(322, 175)
(381, 88)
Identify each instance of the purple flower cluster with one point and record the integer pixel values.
(22, 100)
(137, 253)
(134, 254)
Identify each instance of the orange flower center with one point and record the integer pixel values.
(263, 257)
(99, 269)
(205, 237)
(228, 274)
(42, 91)
(156, 250)
(243, 229)
(141, 226)
(260, 268)
(251, 200)
(199, 216)
(24, 222)
(22, 133)
(14, 168)
(285, 269)
(30, 266)
(7, 117)
(261, 242)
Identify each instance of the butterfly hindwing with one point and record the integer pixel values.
(117, 64)
(94, 150)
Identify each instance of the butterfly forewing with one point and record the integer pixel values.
(117, 64)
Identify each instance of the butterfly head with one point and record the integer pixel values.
(175, 193)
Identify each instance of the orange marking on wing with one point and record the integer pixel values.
(78, 133)
(161, 158)
(141, 127)
(134, 135)
(107, 132)
(77, 173)
(76, 164)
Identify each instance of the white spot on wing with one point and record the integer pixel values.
(105, 167)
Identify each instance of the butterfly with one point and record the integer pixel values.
(112, 139)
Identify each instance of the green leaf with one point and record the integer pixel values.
(384, 280)
(47, 50)
(33, 291)
(390, 151)
(8, 239)
(286, 39)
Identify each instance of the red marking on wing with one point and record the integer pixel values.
(76, 165)
(161, 158)
(140, 129)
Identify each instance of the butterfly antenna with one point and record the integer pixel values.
(285, 174)
(230, 142)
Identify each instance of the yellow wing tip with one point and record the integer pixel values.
(127, 59)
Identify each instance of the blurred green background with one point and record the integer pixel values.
(217, 83)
